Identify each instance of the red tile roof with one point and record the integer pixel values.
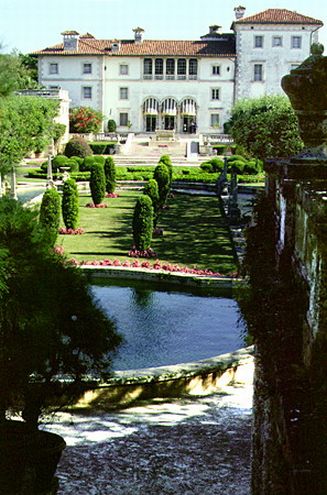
(278, 16)
(223, 47)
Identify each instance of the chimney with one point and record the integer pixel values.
(239, 12)
(115, 46)
(138, 34)
(70, 40)
(213, 29)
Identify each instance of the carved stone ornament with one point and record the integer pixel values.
(306, 87)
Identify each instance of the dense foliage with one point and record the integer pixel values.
(26, 124)
(50, 325)
(70, 204)
(110, 173)
(77, 146)
(143, 223)
(162, 176)
(151, 189)
(265, 127)
(85, 120)
(50, 213)
(112, 126)
(97, 183)
(166, 160)
(17, 72)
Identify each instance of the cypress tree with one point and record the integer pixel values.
(97, 183)
(143, 223)
(50, 213)
(70, 205)
(110, 173)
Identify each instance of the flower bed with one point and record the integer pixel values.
(137, 253)
(112, 195)
(156, 265)
(64, 231)
(92, 205)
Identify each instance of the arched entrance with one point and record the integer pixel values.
(169, 113)
(188, 111)
(151, 114)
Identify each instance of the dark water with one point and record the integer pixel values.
(170, 327)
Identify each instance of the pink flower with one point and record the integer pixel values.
(116, 263)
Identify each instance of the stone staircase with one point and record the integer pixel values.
(146, 151)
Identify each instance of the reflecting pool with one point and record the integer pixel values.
(163, 327)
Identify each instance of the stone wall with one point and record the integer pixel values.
(290, 435)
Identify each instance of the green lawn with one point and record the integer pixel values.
(195, 233)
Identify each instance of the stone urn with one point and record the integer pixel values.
(306, 87)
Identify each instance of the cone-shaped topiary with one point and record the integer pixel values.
(151, 189)
(167, 161)
(97, 183)
(50, 214)
(110, 173)
(143, 223)
(69, 204)
(162, 176)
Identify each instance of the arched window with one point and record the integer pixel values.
(188, 107)
(151, 106)
(169, 106)
(147, 68)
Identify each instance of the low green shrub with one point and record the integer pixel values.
(77, 146)
(50, 214)
(97, 183)
(100, 159)
(110, 174)
(103, 147)
(236, 166)
(70, 204)
(59, 161)
(143, 223)
(236, 157)
(206, 167)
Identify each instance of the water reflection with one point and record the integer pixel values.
(169, 327)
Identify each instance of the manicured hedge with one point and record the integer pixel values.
(70, 204)
(97, 183)
(103, 147)
(143, 223)
(110, 174)
(50, 214)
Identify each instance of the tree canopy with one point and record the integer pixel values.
(26, 124)
(17, 71)
(265, 127)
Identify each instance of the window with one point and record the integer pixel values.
(214, 120)
(216, 70)
(258, 41)
(170, 68)
(215, 94)
(277, 41)
(296, 42)
(53, 68)
(87, 68)
(123, 93)
(147, 68)
(87, 92)
(193, 68)
(123, 69)
(181, 68)
(123, 119)
(258, 72)
(158, 68)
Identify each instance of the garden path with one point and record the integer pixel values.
(190, 446)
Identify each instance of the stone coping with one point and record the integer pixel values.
(177, 278)
(221, 362)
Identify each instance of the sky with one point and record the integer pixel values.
(28, 25)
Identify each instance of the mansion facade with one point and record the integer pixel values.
(186, 86)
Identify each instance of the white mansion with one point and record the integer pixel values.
(145, 85)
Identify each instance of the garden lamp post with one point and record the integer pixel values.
(13, 185)
(49, 167)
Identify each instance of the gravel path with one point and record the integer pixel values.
(192, 446)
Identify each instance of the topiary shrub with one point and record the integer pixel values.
(143, 223)
(239, 158)
(100, 159)
(77, 146)
(72, 163)
(151, 189)
(110, 174)
(165, 159)
(236, 166)
(112, 126)
(97, 183)
(88, 163)
(69, 205)
(162, 176)
(59, 161)
(251, 167)
(217, 164)
(50, 214)
(206, 167)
